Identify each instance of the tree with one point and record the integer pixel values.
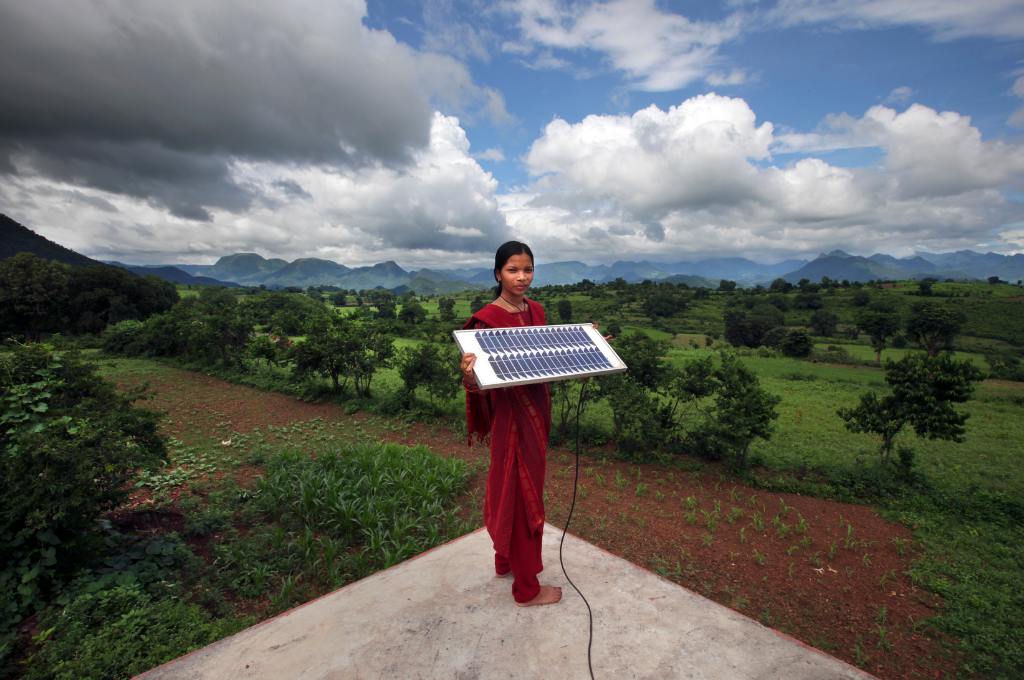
(386, 306)
(780, 285)
(861, 298)
(824, 322)
(924, 286)
(446, 309)
(432, 366)
(726, 286)
(339, 299)
(565, 311)
(749, 328)
(880, 325)
(743, 412)
(33, 295)
(663, 302)
(220, 327)
(933, 326)
(924, 392)
(797, 344)
(807, 299)
(412, 313)
(476, 304)
(343, 350)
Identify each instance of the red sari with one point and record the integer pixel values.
(518, 422)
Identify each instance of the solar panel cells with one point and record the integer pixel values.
(539, 353)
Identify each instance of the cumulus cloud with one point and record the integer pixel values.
(157, 100)
(436, 211)
(945, 19)
(657, 50)
(701, 178)
(495, 155)
(927, 152)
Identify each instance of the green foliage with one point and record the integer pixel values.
(38, 296)
(412, 313)
(933, 326)
(743, 412)
(565, 311)
(924, 391)
(100, 295)
(880, 324)
(665, 301)
(391, 500)
(71, 444)
(824, 322)
(285, 314)
(119, 632)
(431, 366)
(33, 295)
(342, 350)
(749, 328)
(796, 344)
(446, 309)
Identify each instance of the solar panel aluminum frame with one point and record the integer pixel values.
(489, 364)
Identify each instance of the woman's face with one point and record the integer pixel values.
(517, 274)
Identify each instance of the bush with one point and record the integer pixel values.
(120, 632)
(71, 443)
(126, 338)
(433, 367)
(797, 344)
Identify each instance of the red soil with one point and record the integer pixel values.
(841, 590)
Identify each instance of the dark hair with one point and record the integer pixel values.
(505, 251)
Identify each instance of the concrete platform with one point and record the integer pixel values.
(444, 615)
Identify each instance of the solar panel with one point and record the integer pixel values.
(531, 354)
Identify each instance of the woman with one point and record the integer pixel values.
(518, 420)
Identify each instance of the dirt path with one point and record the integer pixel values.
(831, 574)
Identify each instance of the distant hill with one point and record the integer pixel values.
(172, 274)
(16, 238)
(840, 266)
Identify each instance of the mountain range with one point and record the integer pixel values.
(252, 269)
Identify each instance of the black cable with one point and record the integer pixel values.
(590, 640)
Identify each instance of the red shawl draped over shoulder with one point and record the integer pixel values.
(518, 421)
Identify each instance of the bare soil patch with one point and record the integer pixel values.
(830, 574)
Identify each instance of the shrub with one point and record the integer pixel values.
(432, 366)
(120, 632)
(797, 344)
(71, 443)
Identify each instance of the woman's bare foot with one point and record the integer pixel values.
(547, 595)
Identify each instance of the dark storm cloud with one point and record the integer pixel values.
(155, 99)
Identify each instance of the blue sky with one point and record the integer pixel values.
(429, 132)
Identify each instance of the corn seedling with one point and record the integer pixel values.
(707, 539)
(758, 521)
(743, 534)
(734, 514)
(866, 559)
(691, 502)
(620, 481)
(759, 557)
(901, 544)
(641, 489)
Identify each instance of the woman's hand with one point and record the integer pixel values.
(597, 326)
(466, 367)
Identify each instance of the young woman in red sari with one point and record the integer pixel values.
(518, 421)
